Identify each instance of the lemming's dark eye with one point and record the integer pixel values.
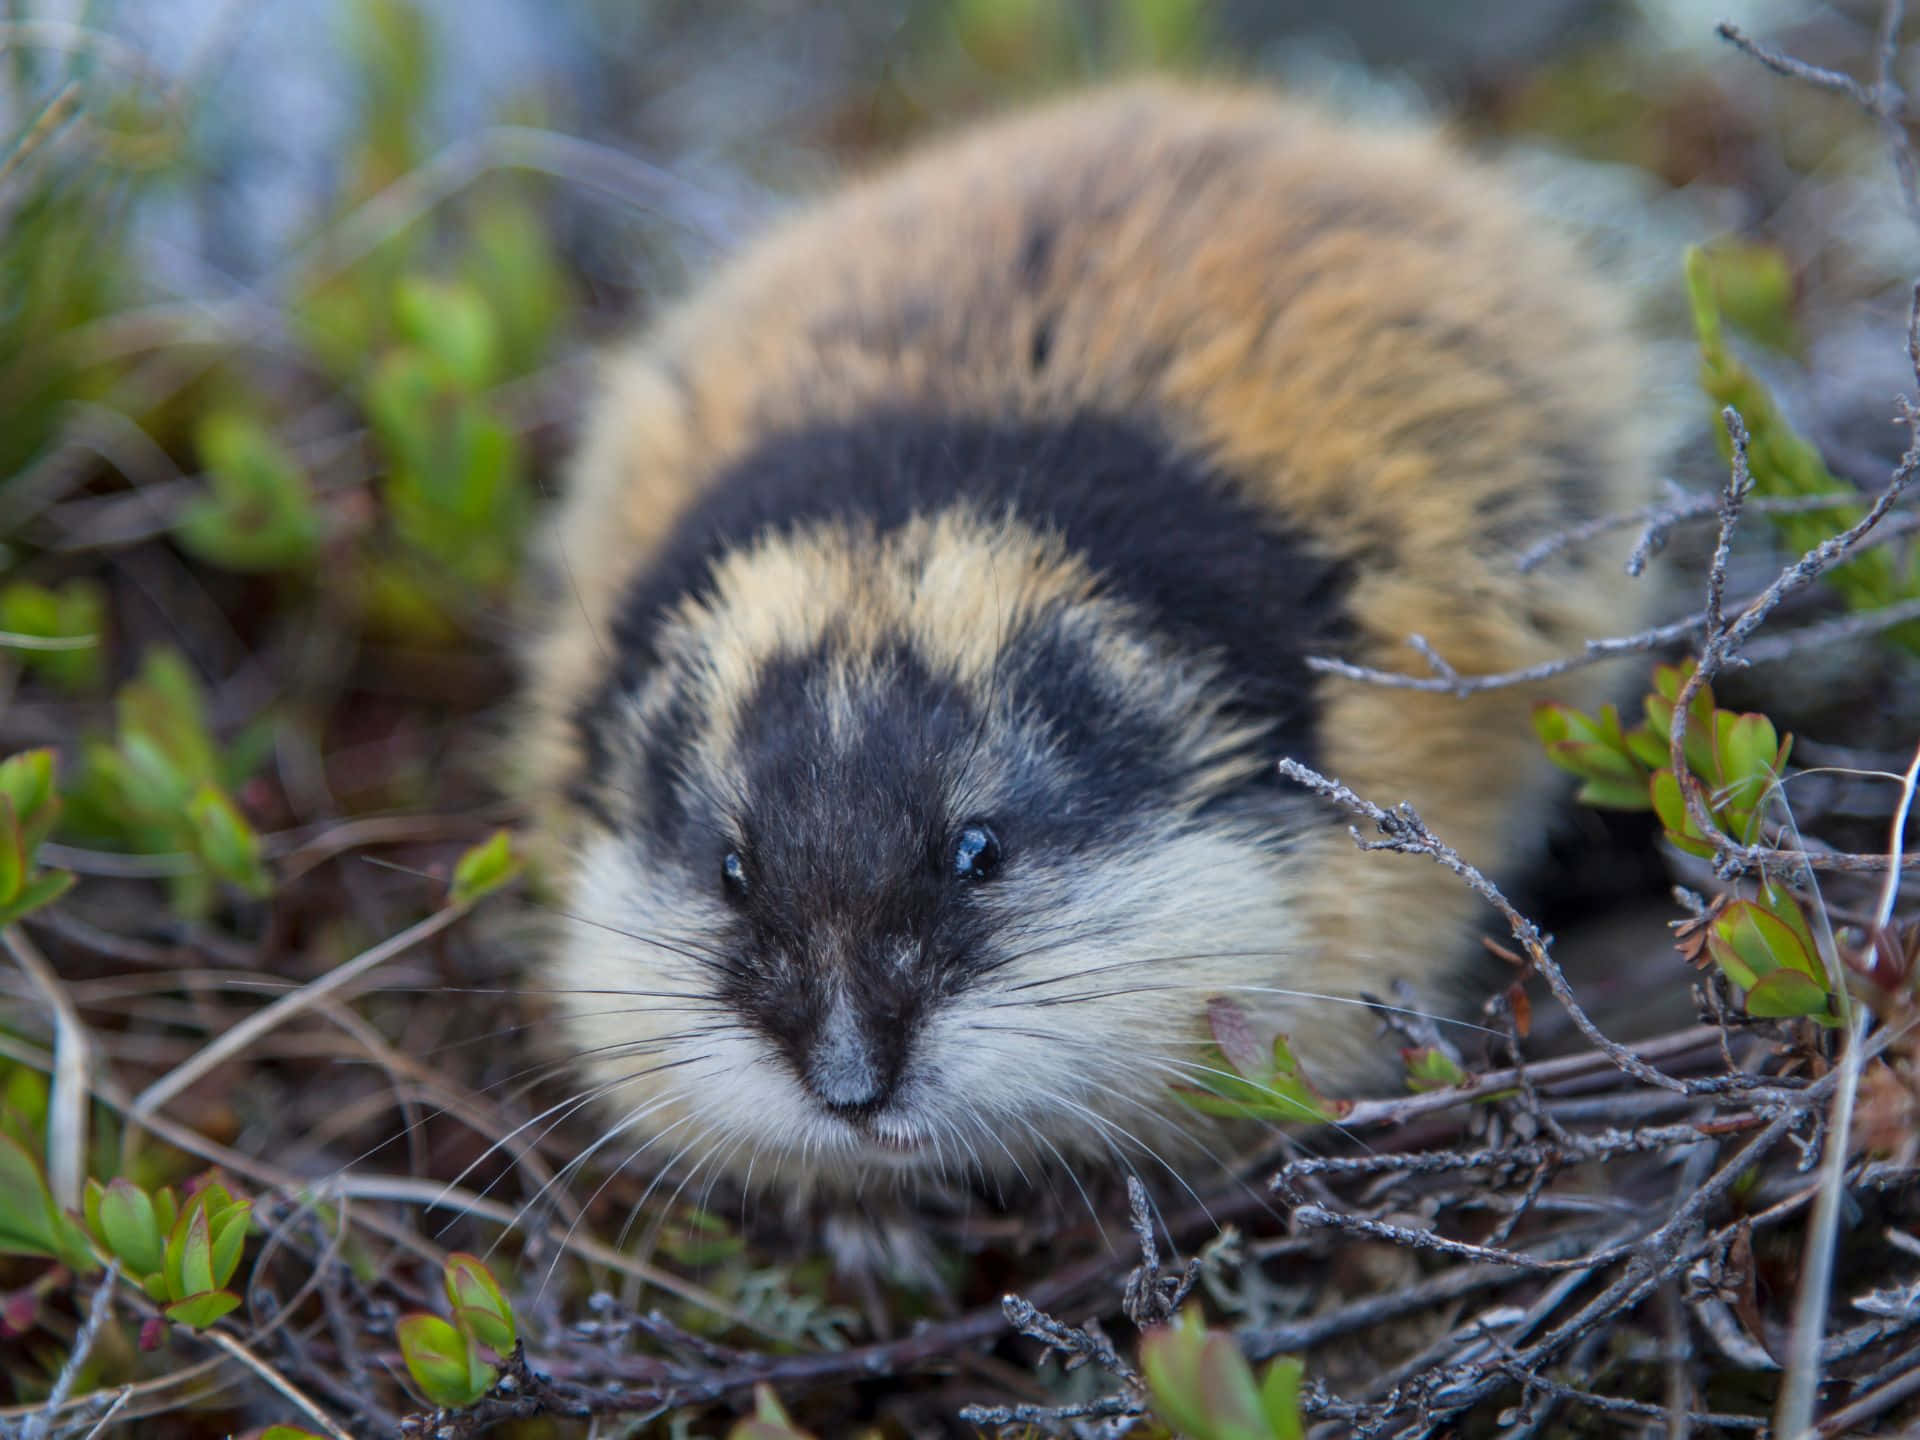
(976, 853)
(733, 873)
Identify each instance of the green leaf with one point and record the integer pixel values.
(203, 1309)
(13, 854)
(1281, 1092)
(1646, 747)
(288, 1432)
(1431, 1068)
(1280, 1398)
(129, 1227)
(1595, 749)
(213, 1196)
(1744, 749)
(73, 619)
(166, 1206)
(1615, 794)
(1747, 942)
(1553, 722)
(483, 869)
(453, 325)
(510, 260)
(1597, 761)
(403, 397)
(1667, 680)
(38, 893)
(1780, 902)
(1681, 828)
(1753, 286)
(30, 1222)
(1200, 1383)
(477, 1300)
(1702, 301)
(230, 1228)
(134, 793)
(167, 704)
(442, 1361)
(27, 781)
(190, 1267)
(1746, 745)
(155, 784)
(226, 842)
(259, 513)
(1785, 994)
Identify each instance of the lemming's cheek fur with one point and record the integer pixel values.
(1070, 1048)
(633, 985)
(1089, 1004)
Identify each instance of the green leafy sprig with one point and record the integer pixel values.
(1765, 944)
(29, 806)
(181, 1254)
(1242, 1078)
(450, 1359)
(1203, 1388)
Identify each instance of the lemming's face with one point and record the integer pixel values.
(894, 888)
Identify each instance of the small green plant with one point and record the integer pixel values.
(1431, 1068)
(161, 786)
(258, 511)
(454, 491)
(1783, 463)
(1203, 1388)
(1738, 759)
(58, 631)
(1241, 1078)
(449, 1359)
(1751, 286)
(181, 1255)
(1764, 945)
(484, 869)
(29, 805)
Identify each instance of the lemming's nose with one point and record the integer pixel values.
(842, 1070)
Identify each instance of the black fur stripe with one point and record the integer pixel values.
(1166, 533)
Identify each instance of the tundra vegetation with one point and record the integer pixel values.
(277, 1153)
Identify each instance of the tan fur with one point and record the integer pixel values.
(1364, 328)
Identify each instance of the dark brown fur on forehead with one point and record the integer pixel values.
(1191, 568)
(1179, 543)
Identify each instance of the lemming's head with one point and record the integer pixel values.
(916, 847)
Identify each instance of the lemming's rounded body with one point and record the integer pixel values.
(933, 601)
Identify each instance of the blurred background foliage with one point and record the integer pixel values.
(298, 305)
